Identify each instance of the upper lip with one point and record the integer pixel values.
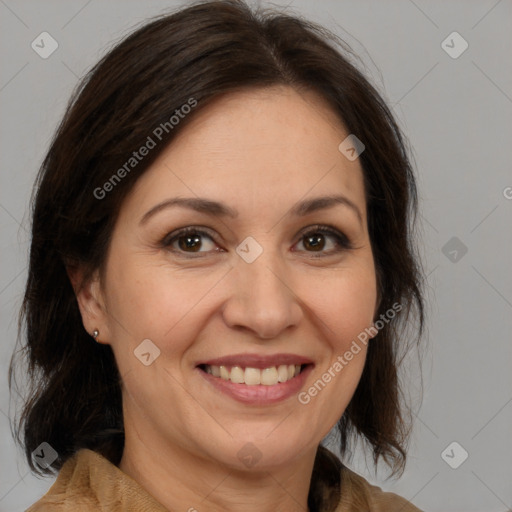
(257, 360)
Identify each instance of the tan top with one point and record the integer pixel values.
(88, 481)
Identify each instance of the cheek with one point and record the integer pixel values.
(345, 304)
(346, 309)
(152, 301)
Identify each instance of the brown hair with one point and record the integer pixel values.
(200, 52)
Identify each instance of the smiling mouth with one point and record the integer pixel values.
(255, 376)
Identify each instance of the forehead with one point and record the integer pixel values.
(257, 150)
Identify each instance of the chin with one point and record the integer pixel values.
(256, 453)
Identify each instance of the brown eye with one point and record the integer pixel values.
(324, 240)
(189, 240)
(314, 242)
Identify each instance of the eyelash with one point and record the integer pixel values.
(341, 241)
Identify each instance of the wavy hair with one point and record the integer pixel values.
(202, 51)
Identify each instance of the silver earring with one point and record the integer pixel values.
(95, 334)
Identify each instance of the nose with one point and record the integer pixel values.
(262, 300)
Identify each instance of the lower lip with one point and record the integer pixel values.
(259, 394)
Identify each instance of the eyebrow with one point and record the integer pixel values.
(218, 209)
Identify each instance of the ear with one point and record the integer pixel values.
(91, 303)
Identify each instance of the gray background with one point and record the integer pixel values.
(456, 114)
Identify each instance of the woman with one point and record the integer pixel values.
(221, 263)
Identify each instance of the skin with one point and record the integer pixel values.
(259, 152)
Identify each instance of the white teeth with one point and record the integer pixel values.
(224, 373)
(282, 373)
(237, 375)
(269, 376)
(254, 376)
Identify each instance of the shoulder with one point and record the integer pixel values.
(71, 489)
(66, 504)
(88, 481)
(336, 488)
(358, 494)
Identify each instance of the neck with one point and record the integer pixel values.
(181, 481)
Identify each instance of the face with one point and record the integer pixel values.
(254, 274)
